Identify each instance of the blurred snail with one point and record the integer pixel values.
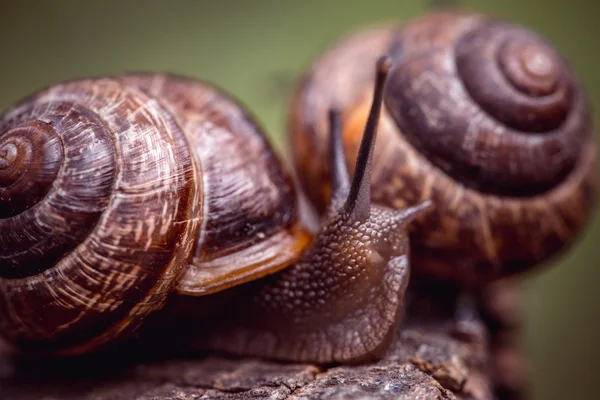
(481, 116)
(116, 192)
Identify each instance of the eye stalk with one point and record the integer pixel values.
(342, 301)
(383, 222)
(359, 198)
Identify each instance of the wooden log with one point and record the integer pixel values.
(428, 360)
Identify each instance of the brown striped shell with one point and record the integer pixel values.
(114, 192)
(483, 117)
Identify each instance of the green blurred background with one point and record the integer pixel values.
(256, 49)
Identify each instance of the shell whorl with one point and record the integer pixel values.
(490, 103)
(104, 236)
(22, 181)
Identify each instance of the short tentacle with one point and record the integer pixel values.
(340, 180)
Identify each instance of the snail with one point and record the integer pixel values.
(117, 192)
(483, 117)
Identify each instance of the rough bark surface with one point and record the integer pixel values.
(437, 354)
(425, 362)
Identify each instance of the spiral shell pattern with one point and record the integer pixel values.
(490, 103)
(97, 198)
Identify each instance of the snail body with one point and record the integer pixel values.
(481, 116)
(117, 192)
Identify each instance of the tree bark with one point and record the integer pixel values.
(434, 356)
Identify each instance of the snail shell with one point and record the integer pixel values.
(482, 116)
(114, 192)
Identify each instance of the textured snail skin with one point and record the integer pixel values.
(341, 302)
(481, 116)
(106, 206)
